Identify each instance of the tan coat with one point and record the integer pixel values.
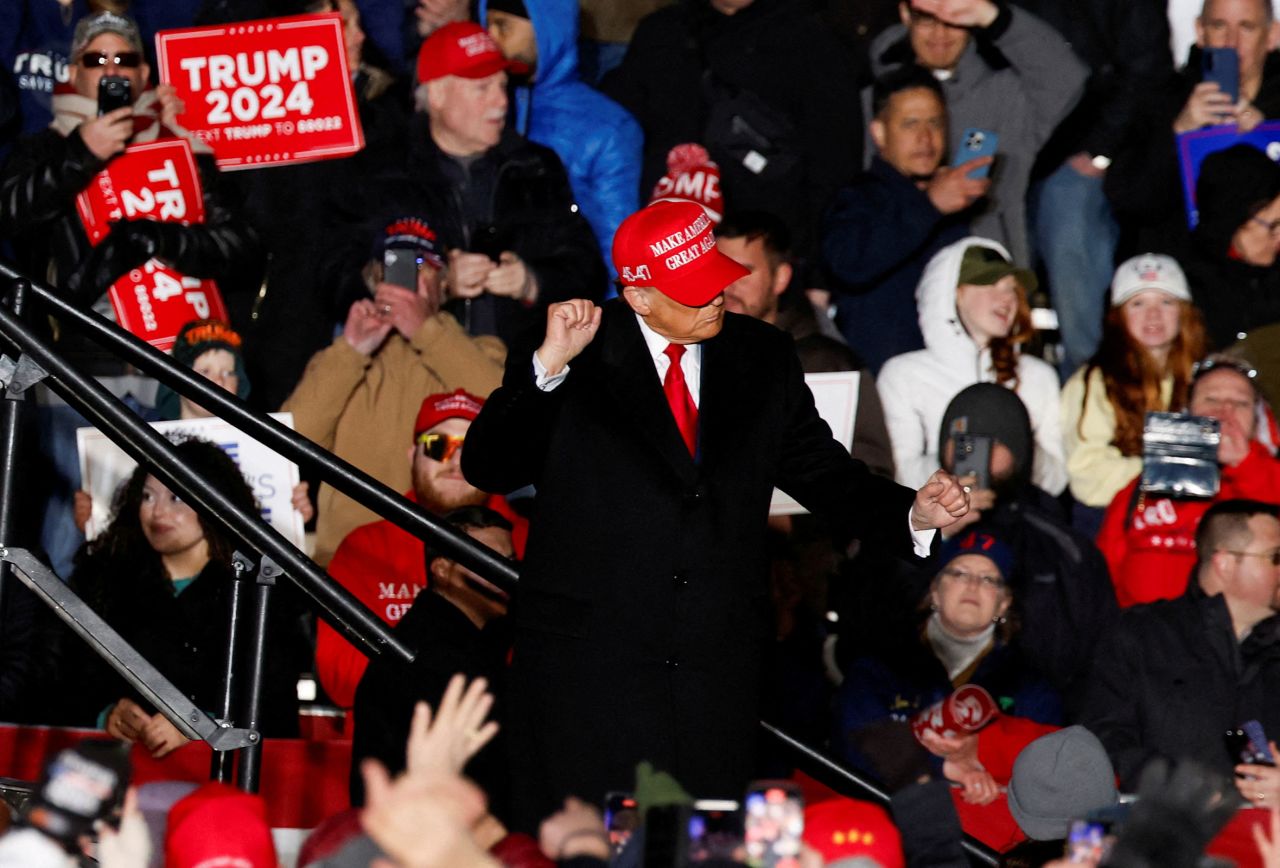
(362, 408)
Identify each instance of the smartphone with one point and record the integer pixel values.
(976, 143)
(400, 267)
(773, 824)
(715, 831)
(973, 457)
(1088, 842)
(486, 240)
(1222, 67)
(1248, 744)
(114, 92)
(621, 819)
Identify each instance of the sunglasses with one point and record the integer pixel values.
(125, 59)
(440, 447)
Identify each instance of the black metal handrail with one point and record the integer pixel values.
(352, 481)
(343, 610)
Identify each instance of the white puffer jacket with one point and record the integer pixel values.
(916, 387)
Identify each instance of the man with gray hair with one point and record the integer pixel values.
(501, 205)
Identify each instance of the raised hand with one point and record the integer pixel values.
(951, 189)
(445, 742)
(366, 328)
(960, 13)
(1207, 106)
(107, 135)
(939, 502)
(404, 309)
(570, 327)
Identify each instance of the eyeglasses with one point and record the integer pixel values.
(125, 59)
(1273, 555)
(1273, 226)
(440, 447)
(986, 580)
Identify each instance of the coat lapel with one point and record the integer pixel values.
(725, 396)
(632, 384)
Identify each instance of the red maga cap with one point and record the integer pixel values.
(458, 404)
(671, 247)
(464, 49)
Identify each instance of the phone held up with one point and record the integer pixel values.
(976, 143)
(114, 92)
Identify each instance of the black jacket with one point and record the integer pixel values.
(38, 189)
(1170, 678)
(1144, 183)
(775, 49)
(516, 195)
(447, 643)
(643, 609)
(877, 237)
(183, 635)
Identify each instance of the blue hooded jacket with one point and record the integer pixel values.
(598, 141)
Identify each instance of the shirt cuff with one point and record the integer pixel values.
(921, 540)
(544, 381)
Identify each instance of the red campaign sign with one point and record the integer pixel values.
(156, 181)
(265, 92)
(154, 302)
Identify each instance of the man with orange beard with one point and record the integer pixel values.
(383, 564)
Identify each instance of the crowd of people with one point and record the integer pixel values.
(982, 212)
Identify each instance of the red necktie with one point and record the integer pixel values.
(682, 406)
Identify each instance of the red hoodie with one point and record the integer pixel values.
(1150, 544)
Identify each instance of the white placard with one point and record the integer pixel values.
(836, 397)
(104, 465)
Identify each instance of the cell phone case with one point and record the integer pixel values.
(1180, 455)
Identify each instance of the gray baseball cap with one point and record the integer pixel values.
(92, 26)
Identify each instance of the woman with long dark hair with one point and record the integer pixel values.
(160, 575)
(1151, 339)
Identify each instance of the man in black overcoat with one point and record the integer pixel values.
(643, 612)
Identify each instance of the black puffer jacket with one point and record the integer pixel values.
(38, 189)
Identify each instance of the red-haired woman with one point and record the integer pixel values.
(1151, 338)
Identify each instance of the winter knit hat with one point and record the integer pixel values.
(1058, 778)
(1233, 184)
(692, 176)
(194, 340)
(994, 411)
(976, 543)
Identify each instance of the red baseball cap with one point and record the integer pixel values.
(670, 246)
(464, 49)
(844, 828)
(458, 404)
(219, 825)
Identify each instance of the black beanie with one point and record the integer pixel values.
(994, 411)
(1233, 184)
